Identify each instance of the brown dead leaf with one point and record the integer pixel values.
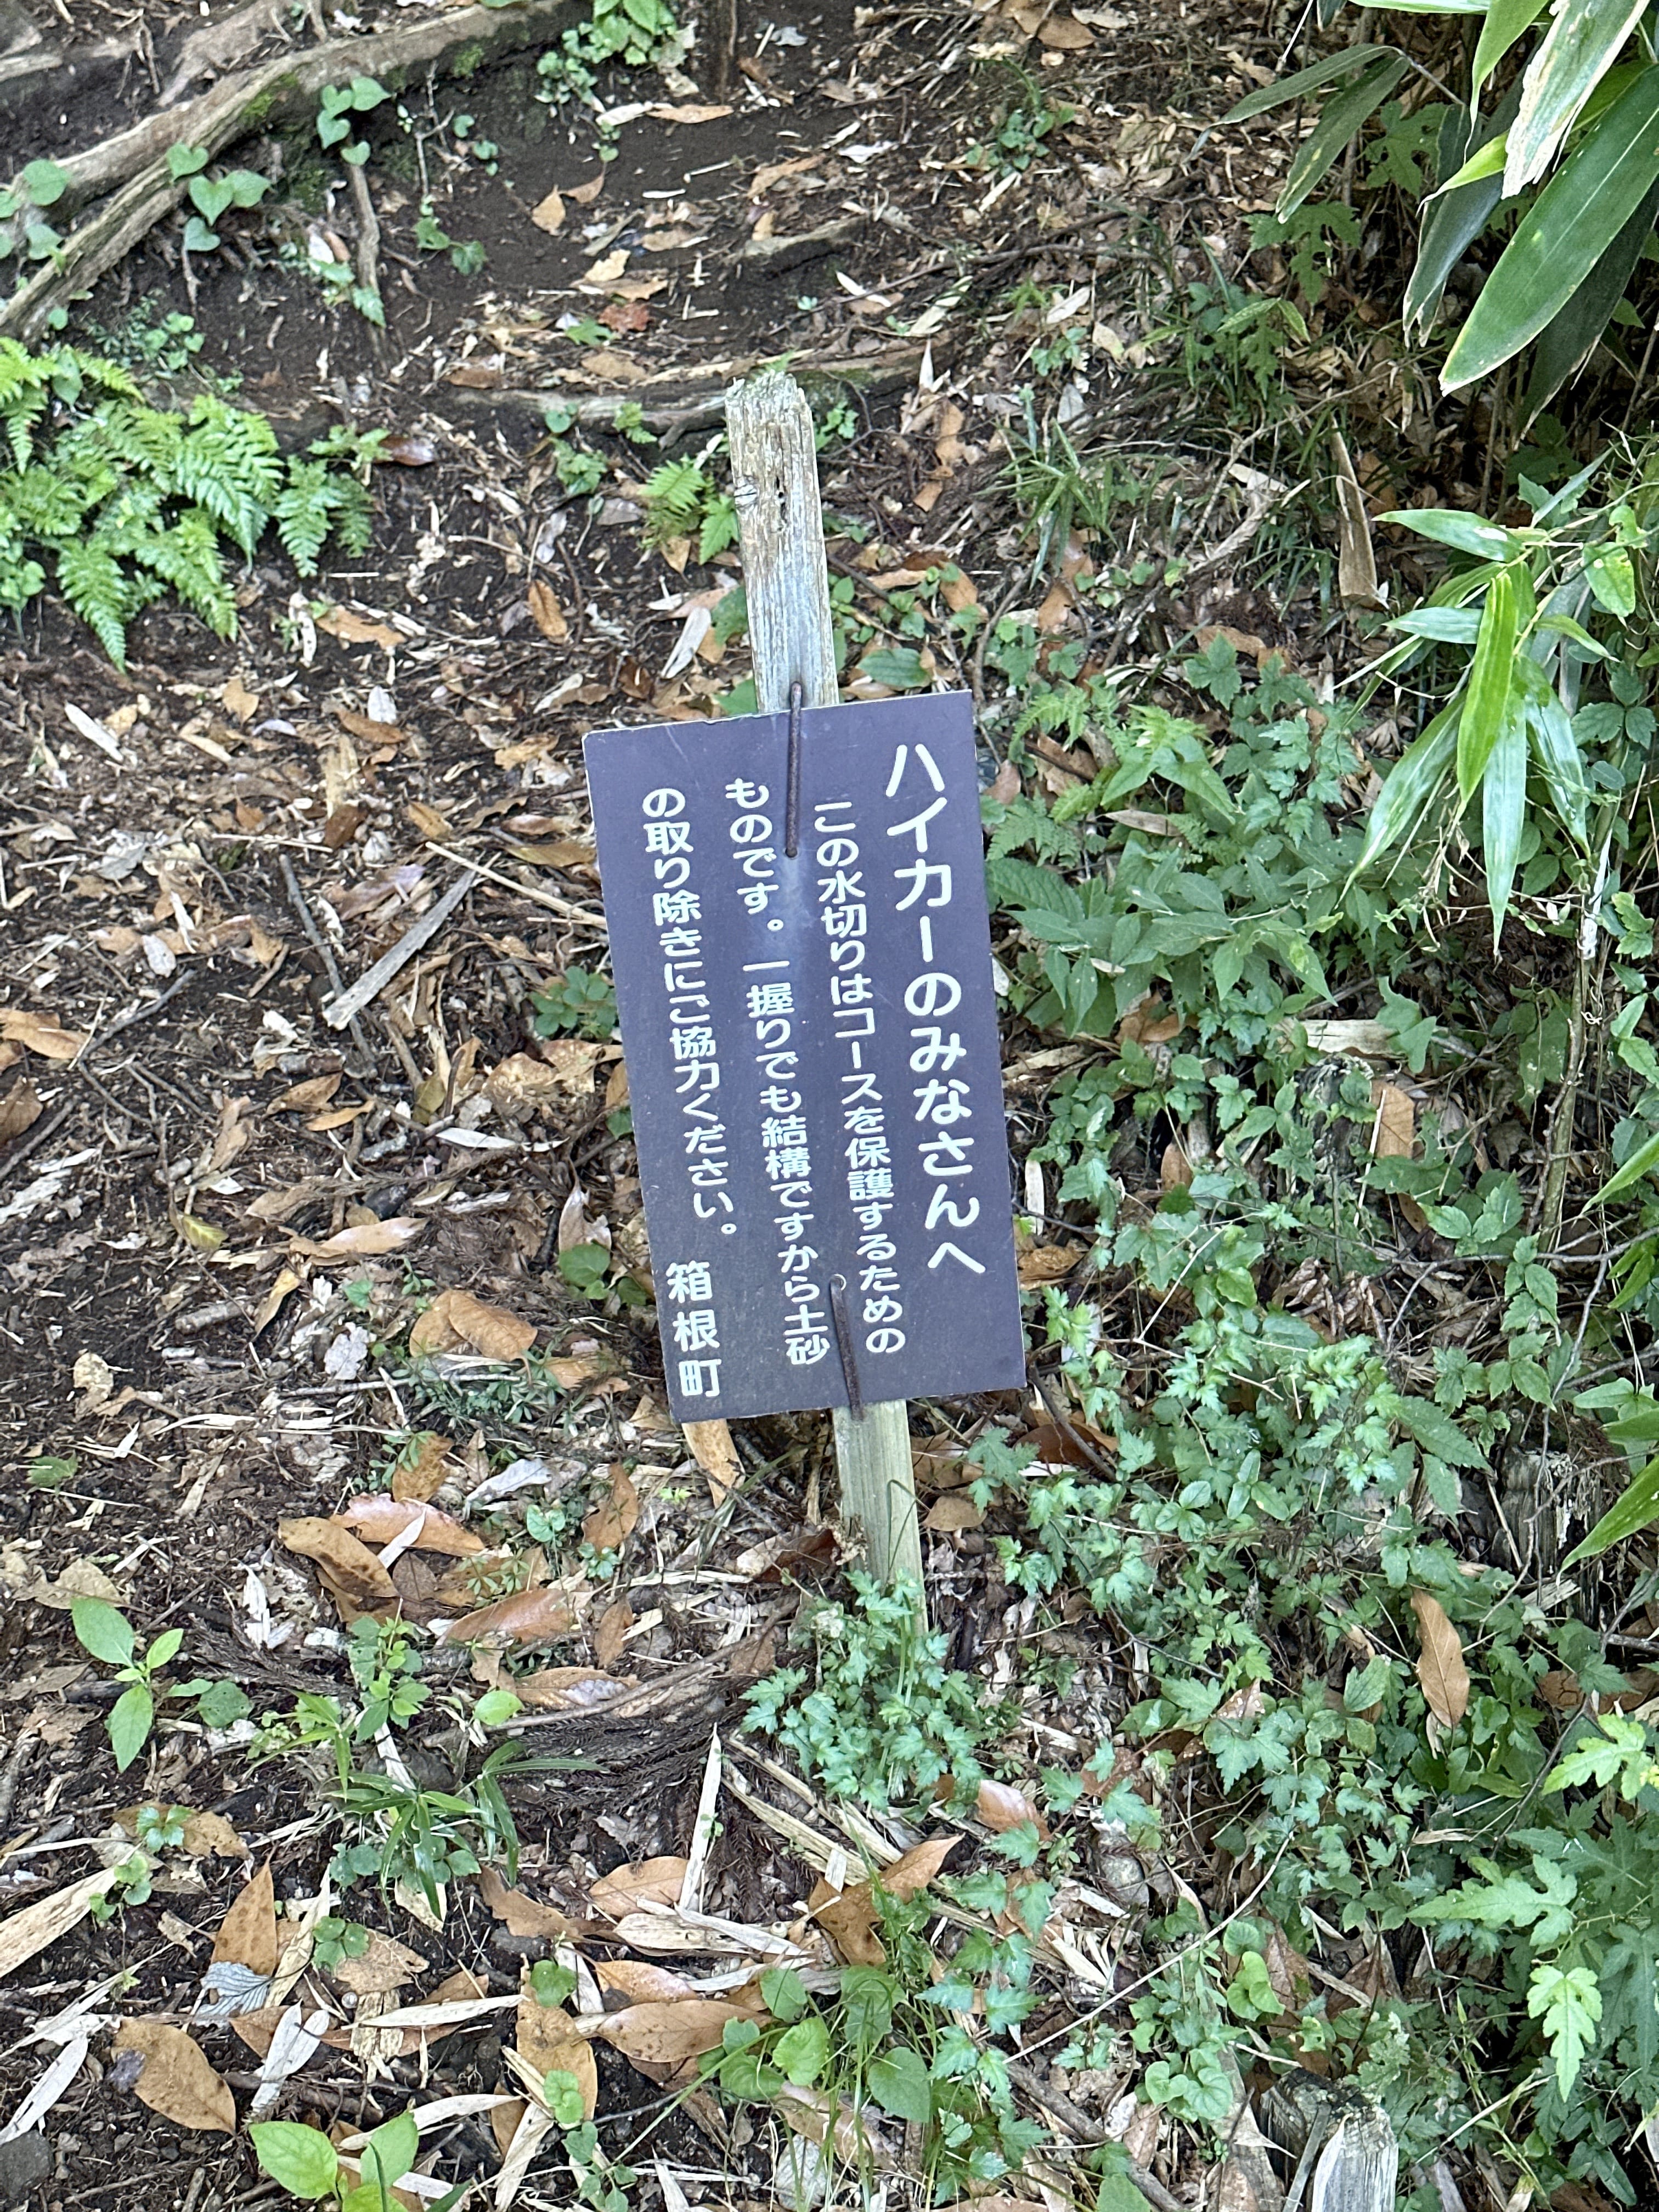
(1005, 784)
(1560, 1689)
(207, 1835)
(524, 1081)
(40, 1033)
(664, 2039)
(1440, 1669)
(848, 1918)
(585, 195)
(548, 214)
(611, 1634)
(1047, 1263)
(428, 821)
(708, 111)
(570, 1689)
(371, 731)
(19, 1109)
(548, 2043)
(176, 2080)
(248, 1934)
(384, 1965)
(306, 1098)
(1150, 1021)
(1394, 1128)
(356, 629)
(710, 1444)
(646, 1882)
(641, 1983)
(364, 1240)
(523, 1916)
(236, 698)
(1065, 34)
(545, 612)
(611, 1521)
(1001, 1807)
(352, 1574)
(380, 1519)
(950, 1515)
(526, 1619)
(456, 1317)
(423, 1473)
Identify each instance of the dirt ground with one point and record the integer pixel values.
(216, 1229)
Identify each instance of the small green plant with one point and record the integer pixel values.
(1027, 119)
(468, 255)
(579, 471)
(877, 1714)
(585, 1268)
(38, 186)
(334, 1940)
(107, 1635)
(211, 196)
(340, 104)
(681, 502)
(580, 1003)
(1310, 237)
(128, 501)
(303, 2161)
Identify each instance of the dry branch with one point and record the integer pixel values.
(132, 166)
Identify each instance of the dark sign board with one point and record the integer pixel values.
(813, 1056)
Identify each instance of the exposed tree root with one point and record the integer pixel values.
(132, 166)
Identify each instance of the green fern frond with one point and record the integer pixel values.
(93, 581)
(228, 463)
(187, 557)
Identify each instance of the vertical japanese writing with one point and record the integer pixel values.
(942, 1101)
(677, 915)
(844, 911)
(785, 1144)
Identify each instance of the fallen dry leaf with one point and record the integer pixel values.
(1440, 1668)
(710, 1444)
(40, 1033)
(663, 2038)
(364, 1240)
(1394, 1127)
(306, 1098)
(849, 1917)
(956, 1512)
(380, 1519)
(22, 1934)
(611, 1521)
(423, 1474)
(708, 112)
(522, 1915)
(644, 1882)
(585, 195)
(526, 1619)
(383, 1965)
(1047, 1263)
(611, 1634)
(456, 1317)
(548, 214)
(19, 1109)
(1065, 34)
(353, 1576)
(248, 1934)
(545, 612)
(207, 1835)
(176, 2080)
(1001, 1807)
(570, 1689)
(641, 1983)
(355, 629)
(547, 2041)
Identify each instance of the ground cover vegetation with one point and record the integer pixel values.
(572, 1817)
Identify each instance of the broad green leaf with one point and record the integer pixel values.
(1566, 627)
(1637, 1507)
(103, 1631)
(302, 2160)
(1570, 337)
(1504, 809)
(1435, 1430)
(45, 183)
(1568, 2003)
(1466, 533)
(1486, 707)
(783, 1993)
(1580, 47)
(198, 239)
(1486, 161)
(1613, 579)
(496, 1708)
(1506, 21)
(1296, 87)
(898, 666)
(1555, 749)
(247, 187)
(130, 1722)
(803, 2051)
(1365, 1686)
(391, 2150)
(185, 161)
(1342, 116)
(1446, 625)
(222, 1704)
(1412, 783)
(1576, 218)
(166, 1646)
(1643, 1161)
(898, 2081)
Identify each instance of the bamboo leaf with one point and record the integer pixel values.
(1555, 749)
(1305, 81)
(1341, 117)
(1635, 1508)
(1506, 21)
(1643, 1161)
(1491, 678)
(1580, 47)
(1576, 218)
(1503, 809)
(1486, 161)
(1416, 777)
(1466, 532)
(1456, 219)
(1567, 341)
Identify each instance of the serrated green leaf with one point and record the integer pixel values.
(1568, 2003)
(1432, 1427)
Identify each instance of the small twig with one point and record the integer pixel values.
(296, 899)
(36, 1137)
(368, 246)
(346, 1006)
(566, 908)
(10, 1776)
(132, 1019)
(1077, 2124)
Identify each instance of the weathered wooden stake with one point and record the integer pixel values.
(775, 480)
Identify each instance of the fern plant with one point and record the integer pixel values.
(122, 502)
(681, 502)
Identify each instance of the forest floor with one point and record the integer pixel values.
(220, 1216)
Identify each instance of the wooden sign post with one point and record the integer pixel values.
(775, 479)
(802, 957)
